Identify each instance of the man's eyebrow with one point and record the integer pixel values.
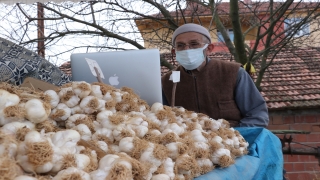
(192, 40)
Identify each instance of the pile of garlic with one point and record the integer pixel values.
(42, 133)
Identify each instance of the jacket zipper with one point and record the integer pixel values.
(197, 98)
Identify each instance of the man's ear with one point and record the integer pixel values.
(210, 48)
(173, 51)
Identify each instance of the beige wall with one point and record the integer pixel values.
(309, 40)
(153, 33)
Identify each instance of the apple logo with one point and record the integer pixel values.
(113, 80)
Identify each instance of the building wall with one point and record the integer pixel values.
(154, 34)
(299, 167)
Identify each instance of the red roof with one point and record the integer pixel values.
(223, 8)
(292, 81)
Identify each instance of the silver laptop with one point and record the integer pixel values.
(136, 69)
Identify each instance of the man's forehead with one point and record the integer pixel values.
(189, 36)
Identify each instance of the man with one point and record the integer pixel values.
(216, 88)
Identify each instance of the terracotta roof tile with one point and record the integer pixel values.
(223, 8)
(292, 81)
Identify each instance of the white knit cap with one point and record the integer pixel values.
(190, 27)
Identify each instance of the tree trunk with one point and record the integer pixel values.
(238, 35)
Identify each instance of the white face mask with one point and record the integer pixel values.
(192, 58)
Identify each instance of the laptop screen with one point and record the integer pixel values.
(136, 69)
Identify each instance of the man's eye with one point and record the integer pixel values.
(194, 44)
(180, 45)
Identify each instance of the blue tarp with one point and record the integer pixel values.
(263, 162)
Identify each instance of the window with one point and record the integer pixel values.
(289, 27)
(230, 32)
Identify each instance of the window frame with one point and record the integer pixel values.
(304, 30)
(230, 33)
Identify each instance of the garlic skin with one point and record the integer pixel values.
(175, 128)
(117, 132)
(8, 99)
(67, 138)
(107, 161)
(25, 177)
(76, 110)
(138, 125)
(84, 131)
(173, 149)
(126, 144)
(13, 127)
(57, 160)
(82, 161)
(37, 111)
(105, 165)
(169, 168)
(107, 97)
(215, 157)
(99, 174)
(217, 139)
(197, 136)
(148, 157)
(161, 177)
(156, 107)
(204, 162)
(96, 91)
(8, 149)
(55, 99)
(103, 119)
(118, 96)
(91, 104)
(81, 88)
(5, 120)
(215, 125)
(72, 172)
(73, 101)
(103, 146)
(61, 113)
(22, 157)
(106, 133)
(68, 97)
(70, 123)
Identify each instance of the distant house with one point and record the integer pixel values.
(154, 32)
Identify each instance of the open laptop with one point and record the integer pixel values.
(136, 69)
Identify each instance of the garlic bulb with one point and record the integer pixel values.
(8, 99)
(35, 153)
(25, 177)
(72, 173)
(91, 104)
(37, 111)
(160, 177)
(84, 131)
(68, 97)
(81, 88)
(60, 113)
(54, 98)
(126, 145)
(100, 132)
